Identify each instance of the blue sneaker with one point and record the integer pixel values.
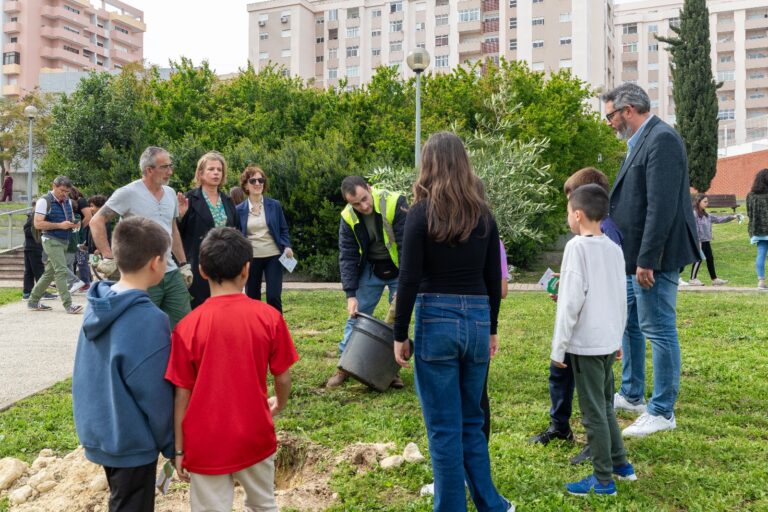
(625, 472)
(583, 487)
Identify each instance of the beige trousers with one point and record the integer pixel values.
(216, 493)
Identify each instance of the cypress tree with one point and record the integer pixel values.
(695, 91)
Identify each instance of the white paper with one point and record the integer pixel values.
(288, 263)
(544, 281)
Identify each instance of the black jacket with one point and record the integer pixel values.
(193, 227)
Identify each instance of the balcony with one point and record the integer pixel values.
(57, 54)
(727, 46)
(471, 26)
(757, 102)
(11, 48)
(490, 26)
(12, 28)
(11, 90)
(59, 13)
(757, 63)
(728, 85)
(123, 57)
(756, 23)
(58, 33)
(490, 47)
(471, 46)
(132, 40)
(752, 44)
(757, 83)
(11, 6)
(128, 20)
(11, 69)
(489, 5)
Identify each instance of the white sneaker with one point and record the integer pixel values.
(76, 286)
(680, 282)
(719, 282)
(622, 404)
(427, 490)
(648, 424)
(695, 282)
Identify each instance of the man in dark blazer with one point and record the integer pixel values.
(651, 204)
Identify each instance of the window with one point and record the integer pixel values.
(565, 63)
(441, 40)
(71, 50)
(675, 22)
(333, 15)
(396, 46)
(756, 55)
(319, 40)
(75, 31)
(653, 47)
(537, 66)
(353, 31)
(756, 75)
(565, 17)
(512, 22)
(728, 113)
(263, 55)
(653, 85)
(537, 21)
(513, 44)
(285, 33)
(757, 94)
(14, 40)
(630, 28)
(441, 19)
(14, 19)
(538, 43)
(333, 34)
(396, 26)
(263, 36)
(565, 41)
(117, 28)
(320, 21)
(353, 51)
(441, 61)
(757, 35)
(726, 76)
(654, 103)
(319, 58)
(652, 66)
(630, 47)
(538, 1)
(286, 72)
(353, 13)
(376, 52)
(286, 52)
(439, 3)
(726, 58)
(353, 71)
(396, 6)
(469, 15)
(512, 4)
(421, 45)
(376, 32)
(420, 26)
(71, 9)
(653, 29)
(333, 53)
(11, 58)
(333, 73)
(376, 13)
(264, 17)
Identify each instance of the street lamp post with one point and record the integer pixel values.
(31, 112)
(418, 61)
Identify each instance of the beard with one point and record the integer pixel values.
(625, 131)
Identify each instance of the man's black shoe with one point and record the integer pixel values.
(585, 455)
(550, 434)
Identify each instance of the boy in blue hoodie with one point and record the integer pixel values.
(123, 406)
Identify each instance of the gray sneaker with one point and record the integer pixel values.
(74, 309)
(37, 306)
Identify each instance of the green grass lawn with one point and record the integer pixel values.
(717, 459)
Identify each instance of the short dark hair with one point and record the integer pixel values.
(98, 200)
(223, 254)
(136, 240)
(585, 176)
(592, 199)
(349, 185)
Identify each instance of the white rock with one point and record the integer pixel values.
(39, 477)
(99, 483)
(412, 453)
(43, 462)
(20, 495)
(45, 486)
(10, 470)
(46, 452)
(392, 461)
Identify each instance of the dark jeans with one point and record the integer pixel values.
(706, 248)
(272, 271)
(132, 489)
(33, 269)
(561, 386)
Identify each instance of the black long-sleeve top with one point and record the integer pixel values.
(469, 268)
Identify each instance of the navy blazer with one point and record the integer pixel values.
(651, 203)
(278, 227)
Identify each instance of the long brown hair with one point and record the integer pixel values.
(454, 195)
(697, 199)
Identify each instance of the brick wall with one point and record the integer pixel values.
(736, 173)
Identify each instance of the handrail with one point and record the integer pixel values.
(9, 242)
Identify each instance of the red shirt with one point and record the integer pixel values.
(221, 351)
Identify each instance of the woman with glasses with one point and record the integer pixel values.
(262, 221)
(202, 209)
(450, 271)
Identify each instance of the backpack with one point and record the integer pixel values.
(36, 233)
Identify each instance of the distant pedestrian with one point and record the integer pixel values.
(33, 260)
(757, 210)
(237, 195)
(7, 188)
(704, 223)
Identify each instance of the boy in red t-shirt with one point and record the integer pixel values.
(220, 354)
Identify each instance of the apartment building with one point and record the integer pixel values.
(739, 51)
(52, 36)
(327, 40)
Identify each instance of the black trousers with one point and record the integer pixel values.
(33, 269)
(272, 271)
(561, 387)
(706, 248)
(132, 489)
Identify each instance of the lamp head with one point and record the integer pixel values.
(30, 111)
(418, 60)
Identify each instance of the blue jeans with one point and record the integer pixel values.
(561, 387)
(451, 355)
(369, 290)
(762, 249)
(652, 314)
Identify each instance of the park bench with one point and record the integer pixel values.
(723, 201)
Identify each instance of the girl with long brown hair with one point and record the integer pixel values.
(450, 271)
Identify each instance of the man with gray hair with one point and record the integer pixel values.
(651, 204)
(56, 220)
(150, 197)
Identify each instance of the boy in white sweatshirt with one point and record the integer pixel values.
(591, 313)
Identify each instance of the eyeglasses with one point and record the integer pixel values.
(254, 181)
(164, 167)
(610, 115)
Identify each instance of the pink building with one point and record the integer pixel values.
(50, 36)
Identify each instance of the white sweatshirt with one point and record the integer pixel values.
(591, 300)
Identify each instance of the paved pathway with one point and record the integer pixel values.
(37, 349)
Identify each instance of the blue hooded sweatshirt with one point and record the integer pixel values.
(123, 405)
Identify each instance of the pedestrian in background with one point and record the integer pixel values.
(757, 210)
(704, 221)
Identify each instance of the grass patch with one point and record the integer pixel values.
(715, 460)
(8, 295)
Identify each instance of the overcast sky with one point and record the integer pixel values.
(198, 29)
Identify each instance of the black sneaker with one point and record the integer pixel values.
(550, 434)
(585, 455)
(38, 306)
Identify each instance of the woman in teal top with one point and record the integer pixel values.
(202, 209)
